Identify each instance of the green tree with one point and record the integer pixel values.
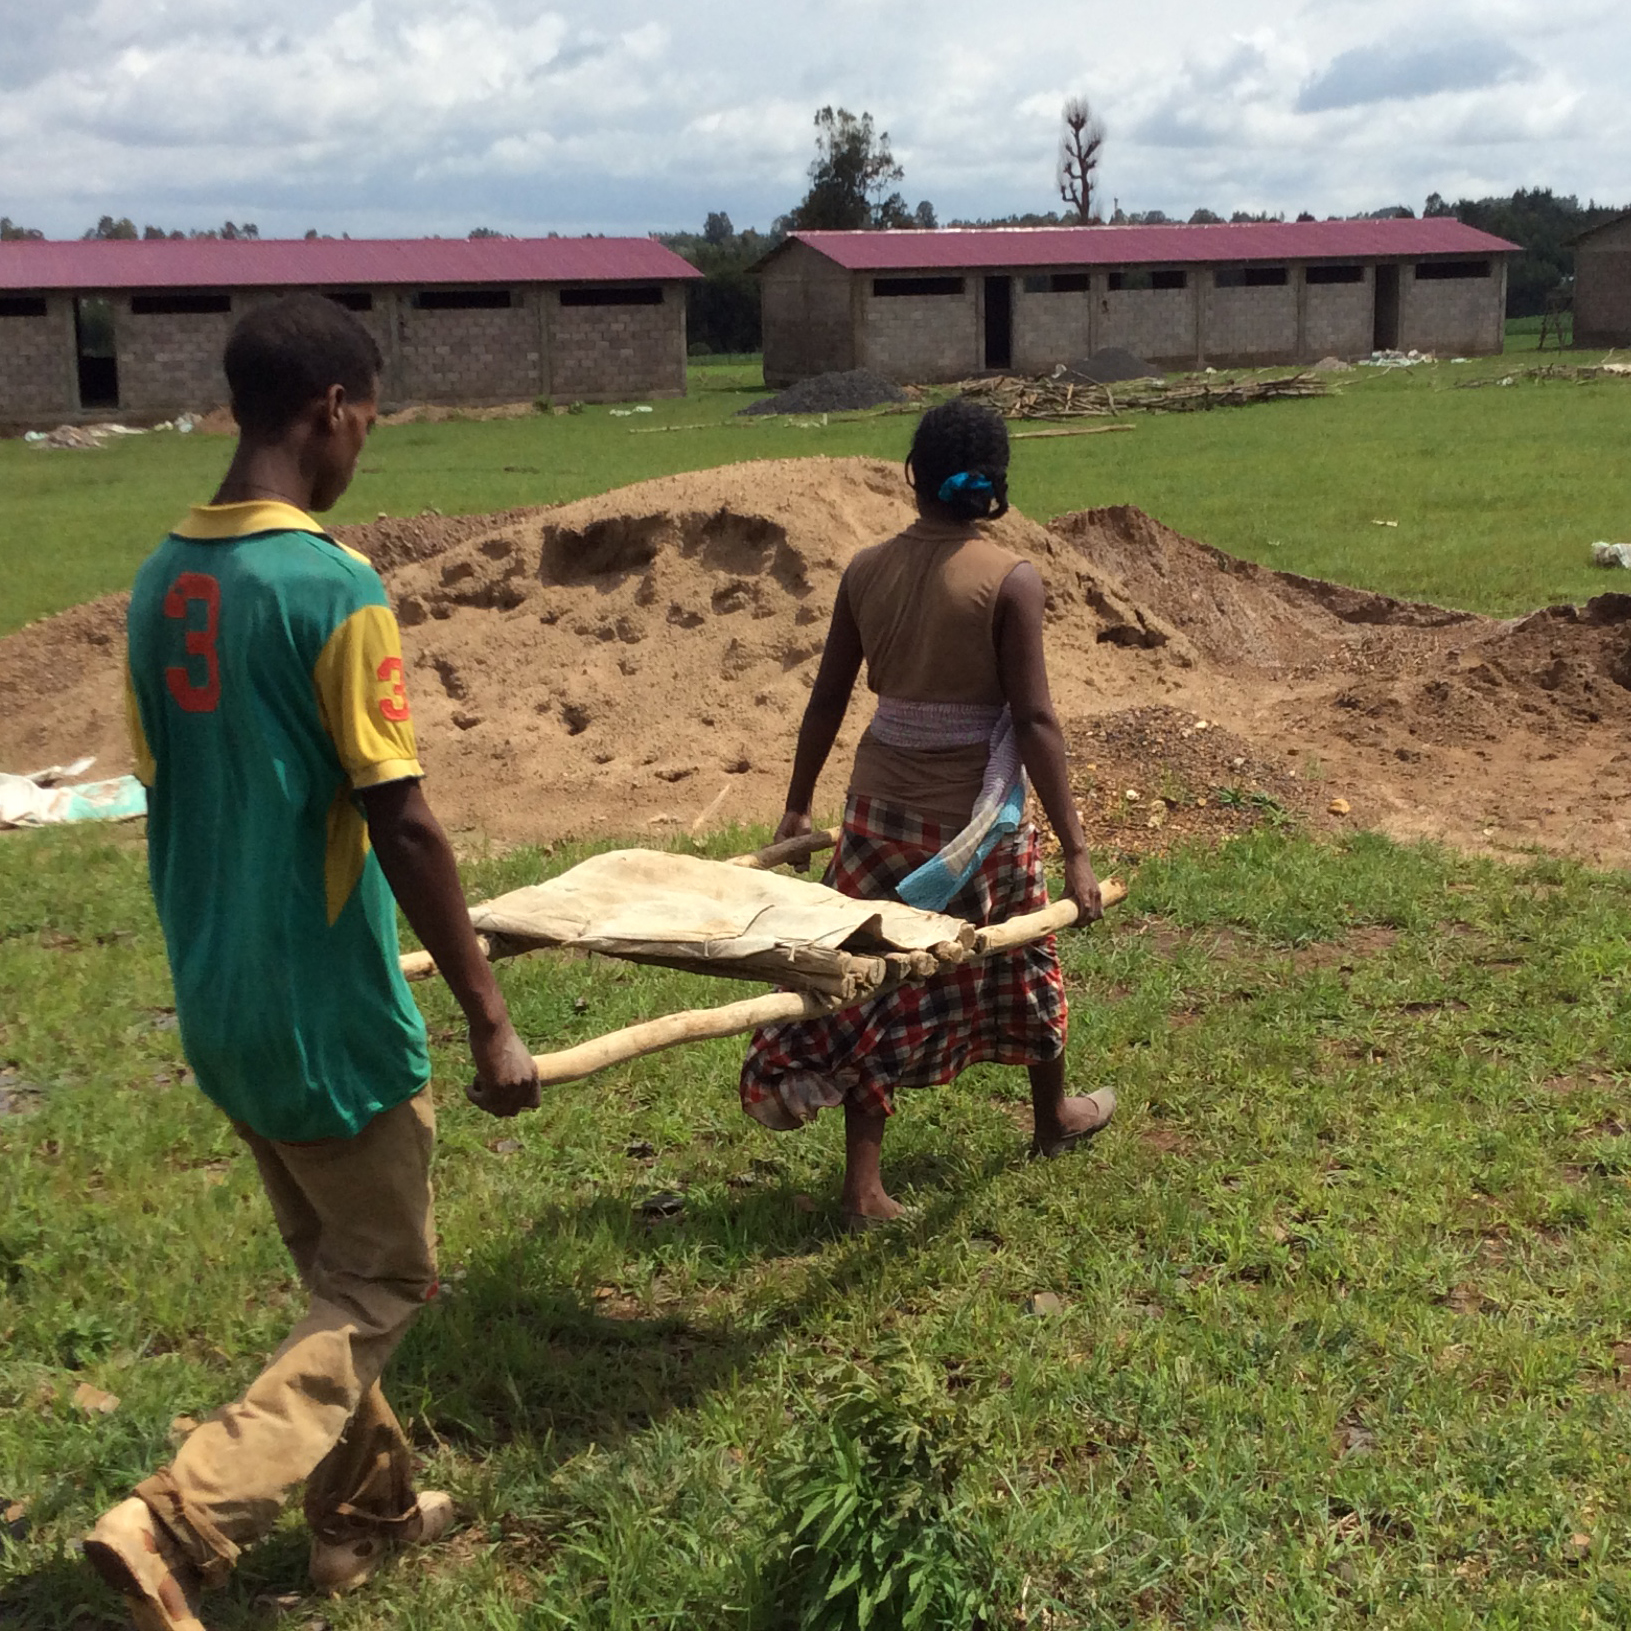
(1206, 218)
(107, 227)
(1543, 223)
(10, 232)
(849, 178)
(1079, 144)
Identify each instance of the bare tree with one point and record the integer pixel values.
(1079, 144)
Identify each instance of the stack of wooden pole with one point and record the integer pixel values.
(1064, 398)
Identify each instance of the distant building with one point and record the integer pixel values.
(133, 326)
(1602, 285)
(943, 305)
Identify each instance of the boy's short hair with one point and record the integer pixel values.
(284, 354)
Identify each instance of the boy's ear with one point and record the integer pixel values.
(334, 401)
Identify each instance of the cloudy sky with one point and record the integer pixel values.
(407, 117)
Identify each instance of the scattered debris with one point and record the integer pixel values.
(1340, 807)
(93, 1401)
(1577, 373)
(1043, 1303)
(25, 803)
(1397, 359)
(17, 1097)
(1611, 554)
(661, 1208)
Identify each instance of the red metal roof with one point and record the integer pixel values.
(972, 247)
(281, 263)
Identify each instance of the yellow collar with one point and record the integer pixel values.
(215, 522)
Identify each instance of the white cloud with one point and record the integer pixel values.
(413, 116)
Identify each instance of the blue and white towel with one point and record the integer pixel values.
(1000, 808)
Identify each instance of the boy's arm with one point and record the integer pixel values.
(418, 863)
(363, 699)
(823, 716)
(1023, 670)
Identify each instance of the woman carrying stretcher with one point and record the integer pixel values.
(950, 627)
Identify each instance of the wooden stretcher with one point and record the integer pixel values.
(816, 980)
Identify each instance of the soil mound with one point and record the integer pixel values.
(1230, 611)
(832, 393)
(636, 659)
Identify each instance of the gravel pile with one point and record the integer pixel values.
(832, 393)
(1110, 367)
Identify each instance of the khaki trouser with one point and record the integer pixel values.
(355, 1214)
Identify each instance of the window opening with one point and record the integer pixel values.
(645, 294)
(179, 305)
(462, 300)
(885, 286)
(1251, 277)
(1426, 270)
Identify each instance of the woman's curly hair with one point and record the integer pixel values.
(955, 438)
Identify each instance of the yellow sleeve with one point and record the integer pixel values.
(146, 769)
(363, 699)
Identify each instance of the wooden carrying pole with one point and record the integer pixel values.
(737, 1018)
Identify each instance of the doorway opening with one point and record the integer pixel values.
(98, 357)
(1386, 335)
(999, 322)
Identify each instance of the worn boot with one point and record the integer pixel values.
(134, 1553)
(338, 1567)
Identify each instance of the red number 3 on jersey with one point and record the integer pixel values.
(393, 706)
(196, 699)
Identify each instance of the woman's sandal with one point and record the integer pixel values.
(1105, 1099)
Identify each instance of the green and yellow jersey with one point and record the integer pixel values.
(265, 689)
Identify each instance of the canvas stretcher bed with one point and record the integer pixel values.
(738, 920)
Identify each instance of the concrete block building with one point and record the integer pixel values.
(1602, 285)
(100, 327)
(944, 305)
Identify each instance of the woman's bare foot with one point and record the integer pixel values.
(873, 1205)
(864, 1195)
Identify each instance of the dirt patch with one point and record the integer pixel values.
(620, 663)
(1148, 778)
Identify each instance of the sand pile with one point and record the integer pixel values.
(630, 661)
(645, 650)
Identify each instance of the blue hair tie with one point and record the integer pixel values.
(965, 481)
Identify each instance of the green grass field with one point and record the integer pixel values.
(1342, 1330)
(1498, 492)
(1342, 1295)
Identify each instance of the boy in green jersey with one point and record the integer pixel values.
(286, 821)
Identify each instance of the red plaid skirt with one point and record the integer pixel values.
(1007, 1010)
